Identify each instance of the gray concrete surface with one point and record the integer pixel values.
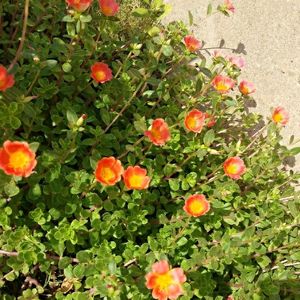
(270, 32)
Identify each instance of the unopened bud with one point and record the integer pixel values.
(81, 119)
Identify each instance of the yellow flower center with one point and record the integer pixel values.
(163, 281)
(107, 174)
(192, 122)
(156, 133)
(233, 169)
(222, 86)
(18, 160)
(196, 207)
(100, 75)
(277, 117)
(136, 180)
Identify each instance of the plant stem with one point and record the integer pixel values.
(19, 51)
(124, 107)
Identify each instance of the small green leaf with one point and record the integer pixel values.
(191, 18)
(209, 137)
(295, 151)
(174, 184)
(67, 67)
(11, 189)
(167, 50)
(140, 12)
(209, 9)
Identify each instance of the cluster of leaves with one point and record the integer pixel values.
(63, 236)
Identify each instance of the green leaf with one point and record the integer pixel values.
(105, 116)
(174, 184)
(71, 117)
(167, 50)
(140, 12)
(295, 151)
(67, 67)
(15, 123)
(34, 146)
(209, 137)
(209, 9)
(191, 18)
(11, 189)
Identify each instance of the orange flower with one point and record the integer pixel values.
(246, 87)
(159, 132)
(280, 116)
(16, 158)
(79, 5)
(196, 205)
(192, 44)
(194, 121)
(223, 84)
(234, 167)
(210, 120)
(101, 72)
(109, 7)
(6, 81)
(135, 178)
(165, 283)
(108, 170)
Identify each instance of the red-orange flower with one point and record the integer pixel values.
(210, 120)
(280, 116)
(101, 72)
(192, 44)
(108, 170)
(135, 178)
(234, 167)
(16, 158)
(109, 7)
(6, 80)
(195, 120)
(196, 205)
(165, 283)
(159, 132)
(223, 84)
(79, 5)
(246, 87)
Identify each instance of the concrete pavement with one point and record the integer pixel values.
(270, 32)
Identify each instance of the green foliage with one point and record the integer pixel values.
(64, 236)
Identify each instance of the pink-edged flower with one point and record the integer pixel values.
(196, 205)
(101, 72)
(164, 282)
(223, 84)
(280, 116)
(194, 121)
(246, 87)
(6, 80)
(192, 44)
(109, 7)
(237, 61)
(229, 6)
(234, 167)
(159, 132)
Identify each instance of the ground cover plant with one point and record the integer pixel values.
(127, 172)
